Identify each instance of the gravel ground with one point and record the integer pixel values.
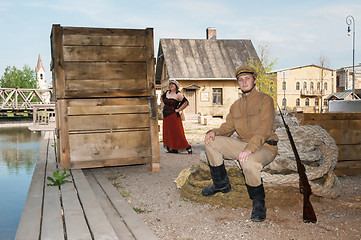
(171, 216)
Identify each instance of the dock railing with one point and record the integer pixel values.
(43, 117)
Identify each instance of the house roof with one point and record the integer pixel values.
(293, 68)
(198, 59)
(339, 95)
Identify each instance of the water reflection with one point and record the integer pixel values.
(19, 149)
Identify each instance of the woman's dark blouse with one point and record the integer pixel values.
(171, 104)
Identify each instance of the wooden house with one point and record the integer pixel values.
(105, 97)
(205, 70)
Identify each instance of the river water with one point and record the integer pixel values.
(19, 149)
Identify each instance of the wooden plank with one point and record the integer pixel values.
(109, 162)
(105, 70)
(114, 218)
(52, 222)
(106, 92)
(112, 84)
(92, 122)
(329, 116)
(63, 133)
(107, 140)
(134, 222)
(346, 136)
(30, 221)
(98, 223)
(75, 221)
(85, 39)
(348, 165)
(114, 109)
(104, 154)
(103, 54)
(108, 102)
(349, 152)
(347, 172)
(58, 60)
(103, 36)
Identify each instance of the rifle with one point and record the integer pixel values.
(305, 188)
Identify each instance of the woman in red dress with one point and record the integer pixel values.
(173, 102)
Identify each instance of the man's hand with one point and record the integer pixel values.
(209, 135)
(243, 156)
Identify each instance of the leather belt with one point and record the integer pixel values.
(271, 142)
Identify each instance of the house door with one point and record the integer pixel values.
(190, 94)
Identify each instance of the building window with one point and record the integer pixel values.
(41, 76)
(311, 87)
(316, 102)
(304, 86)
(298, 86)
(325, 102)
(325, 86)
(217, 96)
(284, 102)
(284, 85)
(297, 102)
(307, 102)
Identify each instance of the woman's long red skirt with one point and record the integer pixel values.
(173, 132)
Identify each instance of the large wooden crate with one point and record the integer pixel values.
(345, 128)
(105, 97)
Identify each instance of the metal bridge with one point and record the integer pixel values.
(20, 99)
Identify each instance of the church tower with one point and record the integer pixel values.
(40, 74)
(41, 82)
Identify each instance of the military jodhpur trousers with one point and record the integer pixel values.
(228, 148)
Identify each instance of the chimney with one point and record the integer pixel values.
(211, 33)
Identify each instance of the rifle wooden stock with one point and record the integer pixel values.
(304, 186)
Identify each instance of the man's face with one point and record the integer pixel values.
(246, 82)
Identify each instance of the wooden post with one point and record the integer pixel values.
(58, 60)
(154, 166)
(63, 123)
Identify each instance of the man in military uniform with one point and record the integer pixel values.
(253, 117)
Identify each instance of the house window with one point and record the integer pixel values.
(316, 102)
(307, 102)
(318, 87)
(284, 85)
(239, 93)
(298, 86)
(217, 96)
(297, 102)
(304, 86)
(41, 76)
(284, 102)
(325, 86)
(311, 87)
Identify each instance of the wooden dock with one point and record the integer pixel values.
(88, 208)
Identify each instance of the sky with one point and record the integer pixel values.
(296, 33)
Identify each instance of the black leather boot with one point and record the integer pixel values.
(220, 181)
(259, 209)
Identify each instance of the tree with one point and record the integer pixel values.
(265, 82)
(323, 64)
(14, 77)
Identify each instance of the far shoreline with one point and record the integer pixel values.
(15, 122)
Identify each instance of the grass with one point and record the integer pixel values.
(125, 193)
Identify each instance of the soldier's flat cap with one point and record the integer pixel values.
(245, 70)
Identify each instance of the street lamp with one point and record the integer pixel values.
(350, 20)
